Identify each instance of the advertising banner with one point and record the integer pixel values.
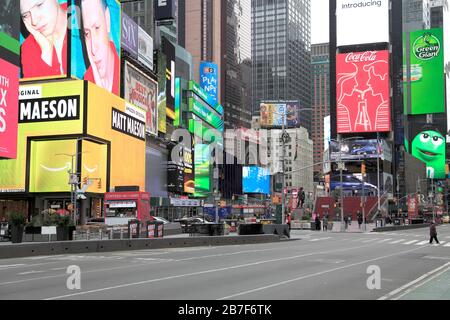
(206, 113)
(9, 101)
(272, 114)
(425, 87)
(145, 51)
(363, 92)
(447, 61)
(164, 10)
(362, 21)
(388, 184)
(413, 207)
(169, 51)
(354, 150)
(256, 180)
(427, 143)
(142, 91)
(130, 37)
(94, 166)
(202, 170)
(209, 79)
(49, 165)
(162, 113)
(35, 103)
(175, 171)
(93, 51)
(10, 31)
(189, 176)
(326, 133)
(113, 119)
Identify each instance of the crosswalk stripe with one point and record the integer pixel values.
(422, 243)
(385, 240)
(447, 245)
(372, 240)
(397, 241)
(411, 242)
(443, 242)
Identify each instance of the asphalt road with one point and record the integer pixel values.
(314, 266)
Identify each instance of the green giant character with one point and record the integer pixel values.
(429, 147)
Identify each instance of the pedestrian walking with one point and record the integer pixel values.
(360, 220)
(317, 221)
(288, 220)
(433, 233)
(325, 223)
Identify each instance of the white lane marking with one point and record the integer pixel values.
(422, 243)
(443, 242)
(371, 240)
(203, 272)
(29, 272)
(447, 245)
(320, 239)
(411, 242)
(314, 275)
(412, 283)
(385, 240)
(397, 241)
(20, 266)
(11, 265)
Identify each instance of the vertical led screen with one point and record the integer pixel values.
(44, 38)
(363, 92)
(209, 79)
(9, 100)
(162, 101)
(96, 42)
(425, 87)
(9, 30)
(202, 170)
(169, 51)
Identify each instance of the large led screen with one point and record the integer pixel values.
(424, 74)
(360, 22)
(256, 180)
(363, 92)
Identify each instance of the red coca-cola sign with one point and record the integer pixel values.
(363, 92)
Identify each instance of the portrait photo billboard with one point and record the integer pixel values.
(363, 92)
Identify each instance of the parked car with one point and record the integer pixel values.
(160, 219)
(188, 221)
(350, 183)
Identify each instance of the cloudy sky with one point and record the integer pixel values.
(319, 21)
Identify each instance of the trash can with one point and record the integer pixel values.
(134, 228)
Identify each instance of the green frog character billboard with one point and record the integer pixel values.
(424, 72)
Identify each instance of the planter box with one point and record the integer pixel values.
(17, 234)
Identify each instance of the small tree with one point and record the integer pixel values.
(17, 219)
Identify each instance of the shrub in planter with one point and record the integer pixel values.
(64, 228)
(17, 222)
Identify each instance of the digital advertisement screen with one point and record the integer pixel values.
(169, 51)
(209, 79)
(201, 109)
(94, 165)
(359, 149)
(9, 102)
(142, 91)
(175, 170)
(427, 143)
(44, 110)
(202, 170)
(425, 85)
(162, 101)
(363, 92)
(256, 180)
(360, 22)
(93, 51)
(50, 163)
(272, 114)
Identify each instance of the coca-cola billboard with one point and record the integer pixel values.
(363, 92)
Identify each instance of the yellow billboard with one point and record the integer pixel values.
(48, 109)
(111, 118)
(94, 166)
(50, 164)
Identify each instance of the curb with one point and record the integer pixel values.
(399, 228)
(76, 247)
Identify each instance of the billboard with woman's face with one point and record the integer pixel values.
(93, 52)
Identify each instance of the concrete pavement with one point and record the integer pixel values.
(317, 266)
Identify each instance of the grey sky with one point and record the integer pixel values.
(319, 21)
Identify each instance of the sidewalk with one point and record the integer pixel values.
(435, 289)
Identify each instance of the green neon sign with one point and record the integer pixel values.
(194, 87)
(205, 113)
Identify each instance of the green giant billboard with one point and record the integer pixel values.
(424, 72)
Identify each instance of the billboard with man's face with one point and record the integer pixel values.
(363, 92)
(79, 38)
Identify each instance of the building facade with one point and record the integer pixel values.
(281, 53)
(142, 12)
(416, 14)
(320, 64)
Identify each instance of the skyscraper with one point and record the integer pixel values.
(416, 15)
(437, 13)
(281, 53)
(320, 61)
(219, 31)
(142, 12)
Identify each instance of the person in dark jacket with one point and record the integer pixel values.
(317, 221)
(433, 233)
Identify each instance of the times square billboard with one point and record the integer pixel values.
(363, 92)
